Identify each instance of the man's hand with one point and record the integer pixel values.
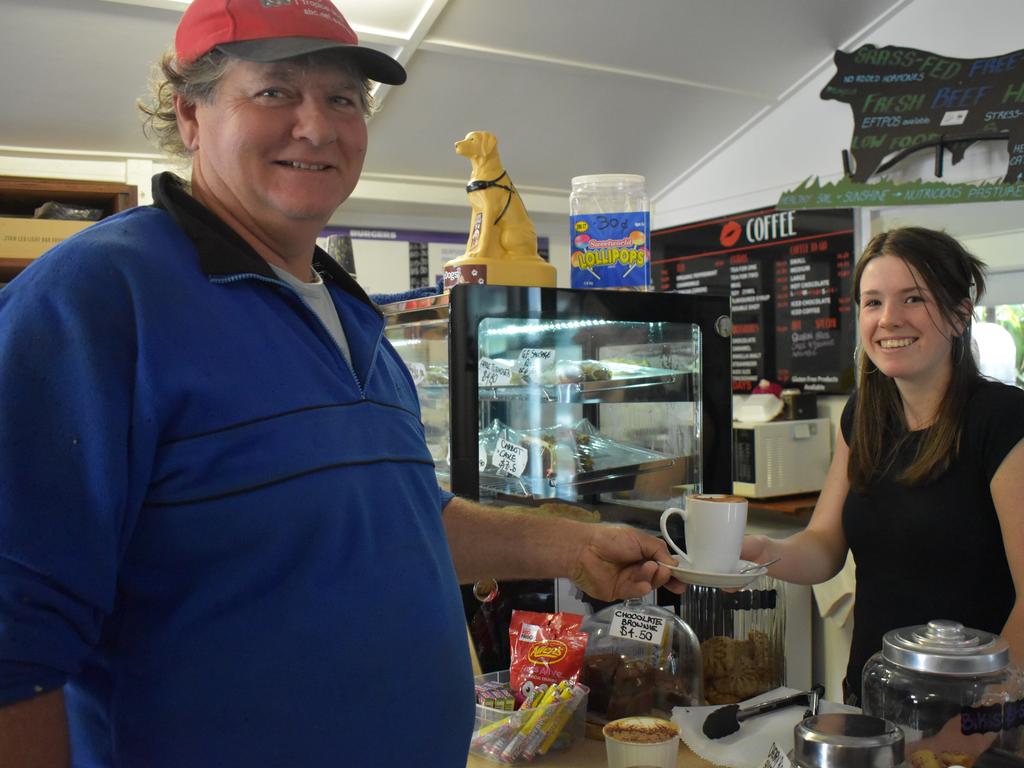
(617, 562)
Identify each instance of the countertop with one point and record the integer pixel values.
(589, 753)
(796, 508)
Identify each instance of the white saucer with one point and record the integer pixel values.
(725, 580)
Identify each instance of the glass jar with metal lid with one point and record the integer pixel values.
(950, 682)
(841, 740)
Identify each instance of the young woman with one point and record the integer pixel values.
(926, 486)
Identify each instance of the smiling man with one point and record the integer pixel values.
(222, 542)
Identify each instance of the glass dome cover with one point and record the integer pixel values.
(641, 659)
(929, 678)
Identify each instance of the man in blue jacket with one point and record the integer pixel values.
(221, 538)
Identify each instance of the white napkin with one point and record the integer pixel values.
(750, 745)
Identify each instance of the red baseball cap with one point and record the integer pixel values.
(272, 30)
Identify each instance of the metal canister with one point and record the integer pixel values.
(847, 741)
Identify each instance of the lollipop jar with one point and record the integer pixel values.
(609, 227)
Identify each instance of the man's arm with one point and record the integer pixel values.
(608, 562)
(34, 733)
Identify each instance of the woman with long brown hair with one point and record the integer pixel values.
(926, 485)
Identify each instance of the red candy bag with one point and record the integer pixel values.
(546, 648)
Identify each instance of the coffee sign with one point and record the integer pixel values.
(789, 275)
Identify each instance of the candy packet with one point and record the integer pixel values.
(546, 649)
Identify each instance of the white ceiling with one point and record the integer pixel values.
(568, 86)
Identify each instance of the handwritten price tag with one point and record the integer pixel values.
(419, 373)
(637, 626)
(481, 455)
(776, 758)
(491, 373)
(509, 457)
(532, 362)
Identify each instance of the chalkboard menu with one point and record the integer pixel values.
(789, 274)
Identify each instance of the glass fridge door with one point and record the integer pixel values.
(418, 330)
(615, 404)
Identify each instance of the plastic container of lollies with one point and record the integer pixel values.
(610, 223)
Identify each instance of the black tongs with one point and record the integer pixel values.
(727, 719)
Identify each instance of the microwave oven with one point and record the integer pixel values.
(780, 458)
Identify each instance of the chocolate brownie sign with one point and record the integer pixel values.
(788, 274)
(904, 98)
(637, 626)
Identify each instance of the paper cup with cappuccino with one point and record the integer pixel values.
(632, 742)
(714, 525)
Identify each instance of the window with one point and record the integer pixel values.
(998, 341)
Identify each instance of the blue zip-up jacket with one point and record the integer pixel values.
(223, 540)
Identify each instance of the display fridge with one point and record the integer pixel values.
(595, 405)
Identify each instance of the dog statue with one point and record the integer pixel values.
(502, 245)
(499, 227)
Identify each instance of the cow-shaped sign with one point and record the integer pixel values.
(903, 98)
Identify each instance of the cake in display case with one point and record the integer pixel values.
(601, 405)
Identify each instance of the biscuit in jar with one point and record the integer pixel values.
(924, 758)
(956, 758)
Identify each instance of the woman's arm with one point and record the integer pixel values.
(818, 552)
(1007, 489)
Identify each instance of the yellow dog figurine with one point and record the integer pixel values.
(502, 244)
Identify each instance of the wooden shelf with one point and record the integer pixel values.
(20, 196)
(798, 507)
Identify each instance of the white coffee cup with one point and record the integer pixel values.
(714, 524)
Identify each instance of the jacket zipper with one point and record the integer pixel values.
(333, 345)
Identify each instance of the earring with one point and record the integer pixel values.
(858, 355)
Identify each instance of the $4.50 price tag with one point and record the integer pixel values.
(491, 373)
(637, 626)
(509, 457)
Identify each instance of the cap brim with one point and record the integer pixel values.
(374, 64)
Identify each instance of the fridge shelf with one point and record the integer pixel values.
(671, 385)
(605, 480)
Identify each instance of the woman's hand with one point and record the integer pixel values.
(948, 747)
(756, 549)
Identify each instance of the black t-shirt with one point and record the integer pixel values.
(933, 551)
